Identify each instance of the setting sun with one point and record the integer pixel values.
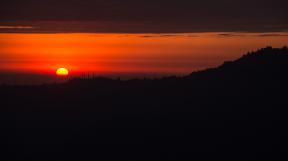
(62, 72)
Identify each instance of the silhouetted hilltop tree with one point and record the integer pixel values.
(264, 58)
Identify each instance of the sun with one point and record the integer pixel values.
(62, 72)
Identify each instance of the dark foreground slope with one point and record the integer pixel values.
(241, 104)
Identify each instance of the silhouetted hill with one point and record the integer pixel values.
(240, 103)
(263, 64)
(267, 63)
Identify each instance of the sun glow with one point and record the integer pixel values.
(62, 72)
(107, 54)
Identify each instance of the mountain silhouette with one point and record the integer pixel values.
(240, 103)
(266, 62)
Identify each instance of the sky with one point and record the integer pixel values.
(144, 36)
(179, 53)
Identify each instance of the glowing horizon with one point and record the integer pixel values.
(127, 53)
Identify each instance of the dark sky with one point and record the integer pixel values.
(144, 15)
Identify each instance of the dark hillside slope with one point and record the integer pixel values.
(242, 103)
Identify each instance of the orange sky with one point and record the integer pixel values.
(127, 53)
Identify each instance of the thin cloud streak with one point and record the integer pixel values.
(17, 27)
(167, 28)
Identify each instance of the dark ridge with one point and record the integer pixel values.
(266, 63)
(263, 65)
(241, 104)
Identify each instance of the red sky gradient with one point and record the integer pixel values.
(127, 53)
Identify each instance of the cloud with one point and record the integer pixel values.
(148, 16)
(239, 34)
(273, 34)
(16, 27)
(164, 35)
(230, 34)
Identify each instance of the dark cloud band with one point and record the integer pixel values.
(145, 16)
